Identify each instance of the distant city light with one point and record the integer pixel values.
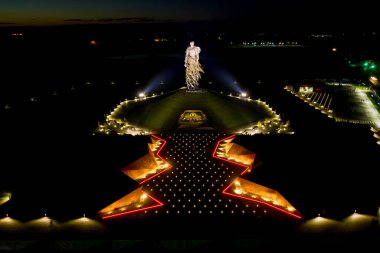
(141, 94)
(334, 49)
(17, 34)
(93, 42)
(243, 94)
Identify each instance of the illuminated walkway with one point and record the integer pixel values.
(200, 175)
(367, 107)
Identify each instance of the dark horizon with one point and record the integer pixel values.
(256, 15)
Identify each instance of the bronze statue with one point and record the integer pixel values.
(193, 67)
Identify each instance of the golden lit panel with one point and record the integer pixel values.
(147, 165)
(227, 146)
(240, 153)
(155, 141)
(135, 201)
(268, 195)
(152, 148)
(127, 200)
(141, 167)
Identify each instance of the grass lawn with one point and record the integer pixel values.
(222, 111)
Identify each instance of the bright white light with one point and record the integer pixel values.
(141, 95)
(143, 197)
(374, 78)
(243, 94)
(238, 191)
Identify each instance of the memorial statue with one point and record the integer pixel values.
(193, 67)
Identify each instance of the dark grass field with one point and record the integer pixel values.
(223, 112)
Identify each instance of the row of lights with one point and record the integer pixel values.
(325, 108)
(122, 126)
(44, 216)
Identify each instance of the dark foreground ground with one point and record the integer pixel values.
(200, 234)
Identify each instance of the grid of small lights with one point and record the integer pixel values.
(195, 184)
(221, 153)
(234, 189)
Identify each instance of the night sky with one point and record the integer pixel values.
(258, 12)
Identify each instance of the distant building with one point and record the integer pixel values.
(308, 86)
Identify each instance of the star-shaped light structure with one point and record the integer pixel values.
(188, 172)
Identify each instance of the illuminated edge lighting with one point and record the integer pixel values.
(246, 168)
(158, 154)
(221, 158)
(259, 201)
(110, 115)
(135, 210)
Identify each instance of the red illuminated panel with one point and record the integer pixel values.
(158, 204)
(221, 158)
(158, 154)
(225, 191)
(259, 201)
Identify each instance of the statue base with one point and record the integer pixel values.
(196, 91)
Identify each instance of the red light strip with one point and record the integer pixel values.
(246, 168)
(259, 201)
(158, 154)
(224, 159)
(135, 210)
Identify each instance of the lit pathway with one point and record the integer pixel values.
(201, 179)
(367, 107)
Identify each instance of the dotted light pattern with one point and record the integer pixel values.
(197, 180)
